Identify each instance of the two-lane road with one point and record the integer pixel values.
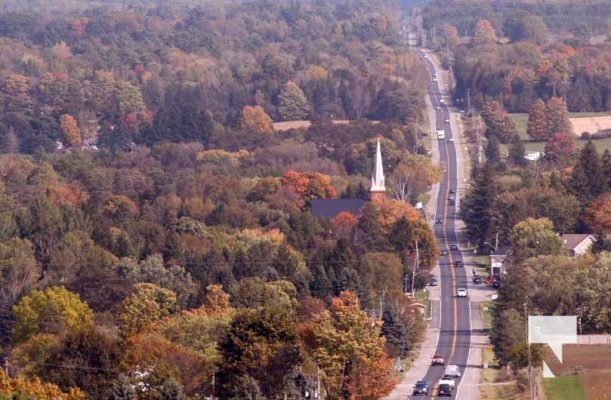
(455, 322)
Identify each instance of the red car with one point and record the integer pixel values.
(438, 360)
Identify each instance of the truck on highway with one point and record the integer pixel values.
(441, 134)
(448, 380)
(452, 371)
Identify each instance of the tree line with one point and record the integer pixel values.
(518, 52)
(146, 74)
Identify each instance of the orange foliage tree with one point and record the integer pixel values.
(347, 345)
(598, 215)
(256, 119)
(71, 131)
(389, 211)
(343, 223)
(309, 185)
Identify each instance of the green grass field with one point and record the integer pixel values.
(564, 388)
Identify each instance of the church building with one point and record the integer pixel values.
(329, 208)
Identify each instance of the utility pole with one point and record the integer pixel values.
(469, 101)
(415, 268)
(530, 385)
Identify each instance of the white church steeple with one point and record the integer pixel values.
(378, 188)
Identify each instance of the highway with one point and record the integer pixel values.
(455, 319)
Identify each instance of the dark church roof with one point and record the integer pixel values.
(329, 208)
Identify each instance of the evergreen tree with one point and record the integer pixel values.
(123, 389)
(477, 206)
(605, 167)
(587, 181)
(401, 235)
(493, 151)
(601, 244)
(517, 151)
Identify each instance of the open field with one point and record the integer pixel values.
(564, 388)
(595, 384)
(588, 365)
(521, 120)
(580, 357)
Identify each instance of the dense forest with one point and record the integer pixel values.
(156, 236)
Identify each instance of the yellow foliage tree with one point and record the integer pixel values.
(21, 388)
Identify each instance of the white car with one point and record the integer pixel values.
(461, 292)
(447, 121)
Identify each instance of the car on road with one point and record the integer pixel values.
(451, 139)
(433, 281)
(443, 252)
(458, 264)
(447, 121)
(438, 359)
(452, 190)
(438, 220)
(496, 284)
(461, 292)
(453, 247)
(444, 390)
(477, 279)
(421, 387)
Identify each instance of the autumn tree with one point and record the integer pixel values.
(557, 117)
(292, 103)
(483, 33)
(147, 305)
(561, 149)
(596, 215)
(449, 33)
(20, 387)
(71, 131)
(346, 343)
(309, 185)
(414, 175)
(537, 121)
(260, 352)
(498, 122)
(54, 311)
(256, 119)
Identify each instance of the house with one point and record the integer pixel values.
(498, 267)
(329, 208)
(578, 244)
